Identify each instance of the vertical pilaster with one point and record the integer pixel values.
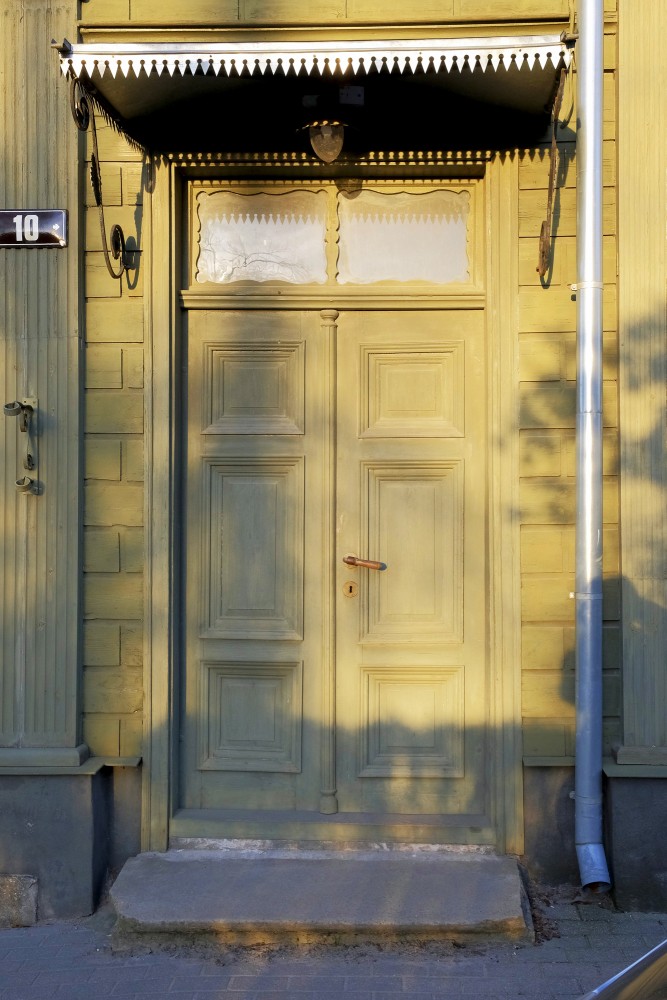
(39, 357)
(503, 421)
(328, 798)
(642, 186)
(163, 389)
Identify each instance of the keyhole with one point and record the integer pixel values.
(351, 588)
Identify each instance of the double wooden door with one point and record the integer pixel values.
(314, 686)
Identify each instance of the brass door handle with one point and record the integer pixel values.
(364, 563)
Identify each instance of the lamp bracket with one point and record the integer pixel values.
(83, 114)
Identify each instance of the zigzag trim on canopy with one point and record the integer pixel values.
(312, 58)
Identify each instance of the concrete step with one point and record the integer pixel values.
(271, 896)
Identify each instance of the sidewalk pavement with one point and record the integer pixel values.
(582, 945)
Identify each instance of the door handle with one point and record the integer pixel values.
(364, 563)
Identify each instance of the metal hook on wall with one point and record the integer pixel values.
(544, 253)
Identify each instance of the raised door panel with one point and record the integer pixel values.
(251, 716)
(253, 388)
(252, 685)
(414, 519)
(252, 548)
(415, 391)
(414, 722)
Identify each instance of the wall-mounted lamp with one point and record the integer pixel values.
(326, 138)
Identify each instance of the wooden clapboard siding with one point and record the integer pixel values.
(321, 12)
(292, 13)
(547, 407)
(643, 376)
(533, 164)
(113, 465)
(39, 357)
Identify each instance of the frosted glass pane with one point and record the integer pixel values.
(403, 237)
(262, 237)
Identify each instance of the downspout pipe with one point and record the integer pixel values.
(588, 581)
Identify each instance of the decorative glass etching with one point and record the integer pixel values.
(403, 237)
(262, 237)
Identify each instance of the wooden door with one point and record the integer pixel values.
(411, 637)
(255, 596)
(314, 687)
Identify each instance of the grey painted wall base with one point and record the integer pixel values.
(124, 792)
(66, 831)
(550, 854)
(18, 900)
(636, 822)
(635, 818)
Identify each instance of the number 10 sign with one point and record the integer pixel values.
(33, 227)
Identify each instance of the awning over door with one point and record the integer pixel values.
(487, 92)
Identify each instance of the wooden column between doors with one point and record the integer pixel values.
(328, 797)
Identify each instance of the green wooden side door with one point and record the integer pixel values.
(319, 696)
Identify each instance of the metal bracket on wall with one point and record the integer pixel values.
(25, 409)
(84, 116)
(544, 256)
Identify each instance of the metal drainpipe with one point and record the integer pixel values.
(588, 761)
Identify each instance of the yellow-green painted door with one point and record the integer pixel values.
(320, 697)
(254, 591)
(410, 660)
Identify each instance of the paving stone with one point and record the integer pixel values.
(181, 983)
(596, 914)
(28, 993)
(384, 984)
(67, 961)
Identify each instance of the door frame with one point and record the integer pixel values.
(162, 640)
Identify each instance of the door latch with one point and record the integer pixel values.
(25, 410)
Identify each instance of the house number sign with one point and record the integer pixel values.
(33, 227)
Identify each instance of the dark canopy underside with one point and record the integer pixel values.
(495, 94)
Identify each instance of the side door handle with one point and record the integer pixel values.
(364, 563)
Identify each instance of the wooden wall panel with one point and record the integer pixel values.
(113, 464)
(287, 11)
(320, 12)
(534, 166)
(39, 356)
(107, 11)
(547, 374)
(395, 10)
(512, 9)
(643, 376)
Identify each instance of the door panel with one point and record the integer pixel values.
(253, 656)
(411, 664)
(290, 468)
(414, 518)
(254, 563)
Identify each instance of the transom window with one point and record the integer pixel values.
(321, 235)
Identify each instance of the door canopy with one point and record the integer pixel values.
(450, 94)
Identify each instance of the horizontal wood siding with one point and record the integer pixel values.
(113, 465)
(221, 13)
(547, 378)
